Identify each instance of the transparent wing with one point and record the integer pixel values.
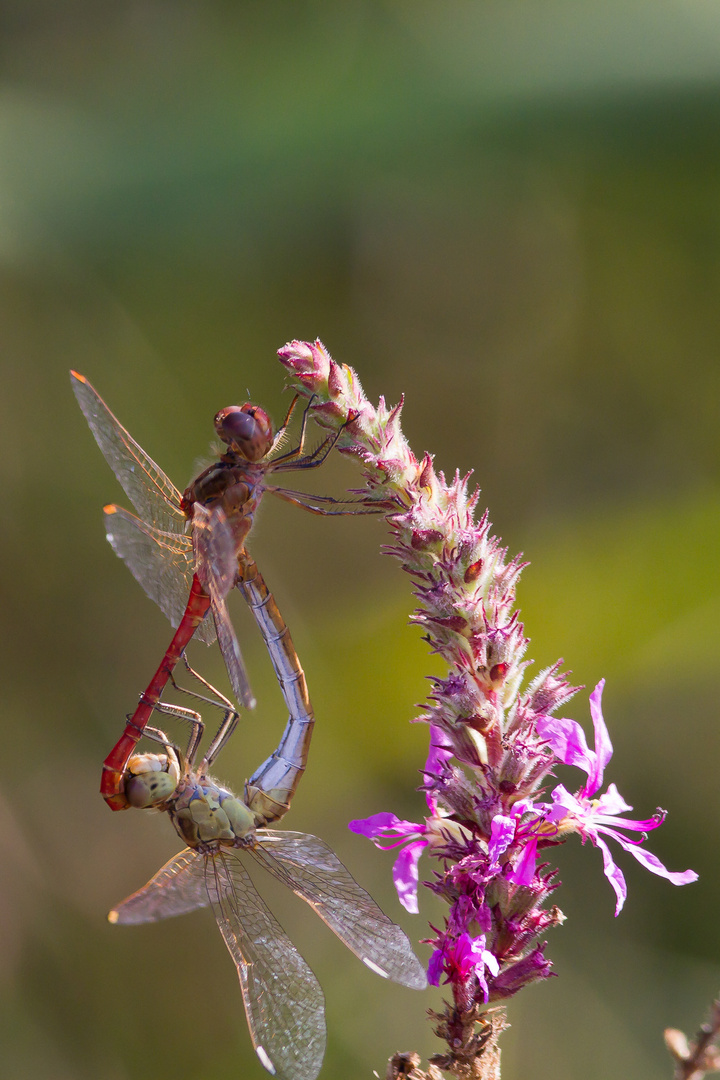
(284, 1004)
(283, 1001)
(216, 567)
(237, 672)
(161, 562)
(313, 871)
(151, 492)
(177, 888)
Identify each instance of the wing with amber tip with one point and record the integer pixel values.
(151, 492)
(178, 887)
(161, 562)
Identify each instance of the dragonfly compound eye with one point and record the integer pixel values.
(246, 428)
(148, 789)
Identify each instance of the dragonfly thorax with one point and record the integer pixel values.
(231, 485)
(205, 813)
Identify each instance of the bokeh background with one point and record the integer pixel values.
(507, 210)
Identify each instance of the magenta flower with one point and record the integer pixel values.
(459, 959)
(507, 830)
(592, 816)
(412, 836)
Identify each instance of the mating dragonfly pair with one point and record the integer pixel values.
(188, 551)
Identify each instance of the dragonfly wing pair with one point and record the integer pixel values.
(283, 1000)
(160, 555)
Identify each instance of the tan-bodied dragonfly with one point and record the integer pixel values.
(283, 1000)
(190, 576)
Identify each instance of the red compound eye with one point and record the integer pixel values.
(247, 429)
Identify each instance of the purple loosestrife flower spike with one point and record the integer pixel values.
(493, 742)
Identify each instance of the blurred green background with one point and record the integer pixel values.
(509, 211)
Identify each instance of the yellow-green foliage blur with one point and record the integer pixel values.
(508, 211)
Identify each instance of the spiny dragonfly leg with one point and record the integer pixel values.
(219, 701)
(298, 452)
(341, 507)
(172, 750)
(191, 717)
(294, 459)
(159, 736)
(230, 722)
(297, 458)
(280, 433)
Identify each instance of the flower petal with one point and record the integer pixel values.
(439, 751)
(614, 875)
(435, 967)
(611, 802)
(372, 826)
(385, 826)
(523, 873)
(502, 833)
(567, 741)
(564, 803)
(491, 962)
(603, 746)
(405, 875)
(650, 861)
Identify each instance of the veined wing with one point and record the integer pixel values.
(178, 887)
(216, 567)
(162, 562)
(151, 492)
(313, 871)
(283, 1001)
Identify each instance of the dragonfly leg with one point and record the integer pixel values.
(230, 719)
(298, 452)
(280, 433)
(230, 722)
(217, 699)
(309, 502)
(190, 716)
(294, 459)
(159, 736)
(297, 458)
(130, 723)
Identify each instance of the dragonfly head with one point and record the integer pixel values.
(246, 429)
(151, 779)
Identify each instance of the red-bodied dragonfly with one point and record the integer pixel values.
(190, 576)
(283, 1000)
